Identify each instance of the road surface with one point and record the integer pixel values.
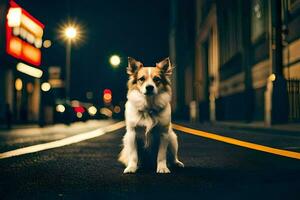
(213, 169)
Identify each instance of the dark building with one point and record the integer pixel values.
(182, 42)
(237, 60)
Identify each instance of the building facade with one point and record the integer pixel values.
(20, 64)
(245, 59)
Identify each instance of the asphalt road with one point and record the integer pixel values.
(213, 170)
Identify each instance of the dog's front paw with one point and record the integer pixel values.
(179, 164)
(162, 170)
(130, 170)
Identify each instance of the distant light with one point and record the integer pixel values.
(18, 84)
(79, 115)
(105, 111)
(60, 108)
(107, 91)
(92, 110)
(89, 95)
(31, 71)
(14, 17)
(272, 77)
(75, 103)
(107, 98)
(47, 43)
(117, 109)
(70, 32)
(29, 87)
(45, 86)
(79, 109)
(115, 60)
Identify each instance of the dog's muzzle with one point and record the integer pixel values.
(149, 90)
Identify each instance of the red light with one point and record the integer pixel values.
(107, 91)
(107, 96)
(79, 109)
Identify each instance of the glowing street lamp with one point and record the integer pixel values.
(69, 33)
(115, 60)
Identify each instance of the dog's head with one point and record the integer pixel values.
(149, 80)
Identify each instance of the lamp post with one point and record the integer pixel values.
(70, 34)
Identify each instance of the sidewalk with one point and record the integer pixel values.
(292, 128)
(24, 136)
(3, 127)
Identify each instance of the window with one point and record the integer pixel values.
(258, 19)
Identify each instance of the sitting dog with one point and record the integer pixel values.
(148, 105)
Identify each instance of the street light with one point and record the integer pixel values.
(70, 33)
(115, 60)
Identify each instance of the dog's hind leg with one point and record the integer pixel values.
(174, 148)
(129, 155)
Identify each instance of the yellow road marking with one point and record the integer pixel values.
(63, 142)
(285, 153)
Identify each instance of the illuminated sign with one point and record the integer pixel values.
(31, 71)
(23, 35)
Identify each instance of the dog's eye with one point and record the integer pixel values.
(156, 79)
(142, 79)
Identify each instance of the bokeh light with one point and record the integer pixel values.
(47, 44)
(45, 86)
(18, 84)
(60, 108)
(92, 110)
(117, 109)
(115, 60)
(29, 87)
(79, 115)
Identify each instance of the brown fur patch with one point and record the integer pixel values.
(161, 81)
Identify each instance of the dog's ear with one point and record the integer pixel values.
(165, 66)
(133, 66)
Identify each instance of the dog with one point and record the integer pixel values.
(148, 105)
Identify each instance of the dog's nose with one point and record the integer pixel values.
(149, 88)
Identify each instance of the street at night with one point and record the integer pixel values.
(159, 99)
(213, 170)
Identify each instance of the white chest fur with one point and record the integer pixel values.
(147, 111)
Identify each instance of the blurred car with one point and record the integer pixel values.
(72, 111)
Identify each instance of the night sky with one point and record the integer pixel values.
(129, 28)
